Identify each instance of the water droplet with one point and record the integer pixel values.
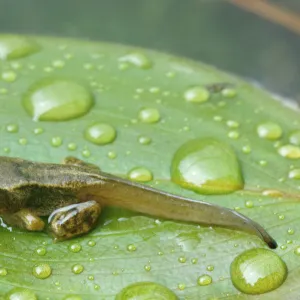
(194, 261)
(146, 290)
(144, 140)
(3, 272)
(91, 277)
(23, 141)
(232, 124)
(91, 243)
(137, 59)
(182, 259)
(54, 99)
(75, 247)
(77, 269)
(281, 217)
(249, 204)
(96, 287)
(210, 268)
(263, 162)
(297, 251)
(294, 174)
(56, 141)
(233, 134)
(6, 150)
(147, 268)
(72, 146)
(42, 271)
(294, 138)
(131, 248)
(12, 128)
(204, 280)
(9, 76)
(258, 271)
(289, 151)
(291, 231)
(100, 133)
(229, 93)
(246, 149)
(269, 130)
(140, 174)
(196, 94)
(58, 64)
(14, 46)
(72, 297)
(149, 115)
(41, 251)
(20, 293)
(3, 91)
(206, 166)
(112, 154)
(86, 153)
(181, 286)
(283, 247)
(154, 90)
(38, 130)
(217, 118)
(272, 193)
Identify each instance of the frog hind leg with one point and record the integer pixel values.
(25, 219)
(73, 220)
(71, 160)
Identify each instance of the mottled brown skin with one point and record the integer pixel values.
(73, 193)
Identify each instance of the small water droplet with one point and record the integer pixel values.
(206, 166)
(269, 130)
(149, 115)
(291, 231)
(194, 261)
(197, 94)
(72, 297)
(154, 90)
(283, 247)
(294, 138)
(53, 99)
(3, 91)
(228, 93)
(204, 280)
(112, 154)
(9, 76)
(232, 124)
(97, 287)
(91, 243)
(246, 149)
(144, 140)
(297, 251)
(140, 174)
(281, 217)
(294, 174)
(146, 290)
(91, 277)
(263, 162)
(272, 193)
(58, 64)
(12, 128)
(41, 251)
(233, 134)
(170, 74)
(38, 130)
(181, 286)
(3, 272)
(249, 204)
(210, 268)
(14, 46)
(137, 59)
(258, 271)
(86, 153)
(182, 259)
(6, 150)
(217, 118)
(42, 271)
(56, 141)
(100, 133)
(75, 247)
(147, 268)
(131, 248)
(72, 146)
(20, 293)
(289, 151)
(23, 141)
(77, 269)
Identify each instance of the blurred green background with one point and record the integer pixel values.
(214, 31)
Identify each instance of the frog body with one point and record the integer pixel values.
(73, 194)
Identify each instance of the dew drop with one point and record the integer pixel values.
(100, 134)
(297, 251)
(41, 251)
(210, 268)
(140, 174)
(112, 154)
(217, 118)
(283, 247)
(144, 140)
(3, 272)
(233, 134)
(181, 286)
(196, 94)
(55, 99)
(249, 204)
(289, 151)
(77, 269)
(20, 294)
(38, 130)
(204, 280)
(137, 59)
(194, 261)
(228, 93)
(294, 138)
(96, 287)
(91, 277)
(12, 128)
(294, 174)
(86, 153)
(58, 64)
(149, 115)
(182, 259)
(147, 268)
(281, 217)
(269, 130)
(258, 271)
(9, 76)
(131, 248)
(72, 146)
(56, 141)
(91, 243)
(272, 193)
(23, 141)
(75, 247)
(42, 271)
(146, 290)
(206, 166)
(232, 124)
(291, 231)
(246, 149)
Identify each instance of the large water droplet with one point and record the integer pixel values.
(55, 99)
(140, 174)
(258, 271)
(294, 138)
(289, 151)
(100, 133)
(13, 46)
(75, 247)
(149, 115)
(206, 166)
(137, 59)
(3, 272)
(204, 280)
(196, 94)
(20, 294)
(77, 269)
(42, 271)
(269, 130)
(146, 291)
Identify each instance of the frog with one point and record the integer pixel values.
(69, 197)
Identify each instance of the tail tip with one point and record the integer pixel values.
(272, 244)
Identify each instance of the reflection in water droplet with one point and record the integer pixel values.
(3, 272)
(20, 294)
(55, 99)
(294, 174)
(9, 76)
(100, 133)
(146, 290)
(41, 251)
(144, 140)
(206, 166)
(294, 138)
(196, 94)
(42, 271)
(75, 248)
(229, 93)
(14, 46)
(56, 141)
(137, 59)
(269, 130)
(289, 151)
(204, 280)
(140, 174)
(12, 128)
(149, 115)
(77, 269)
(258, 271)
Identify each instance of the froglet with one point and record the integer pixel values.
(73, 193)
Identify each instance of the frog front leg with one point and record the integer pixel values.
(73, 220)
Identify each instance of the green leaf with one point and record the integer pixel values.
(142, 95)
